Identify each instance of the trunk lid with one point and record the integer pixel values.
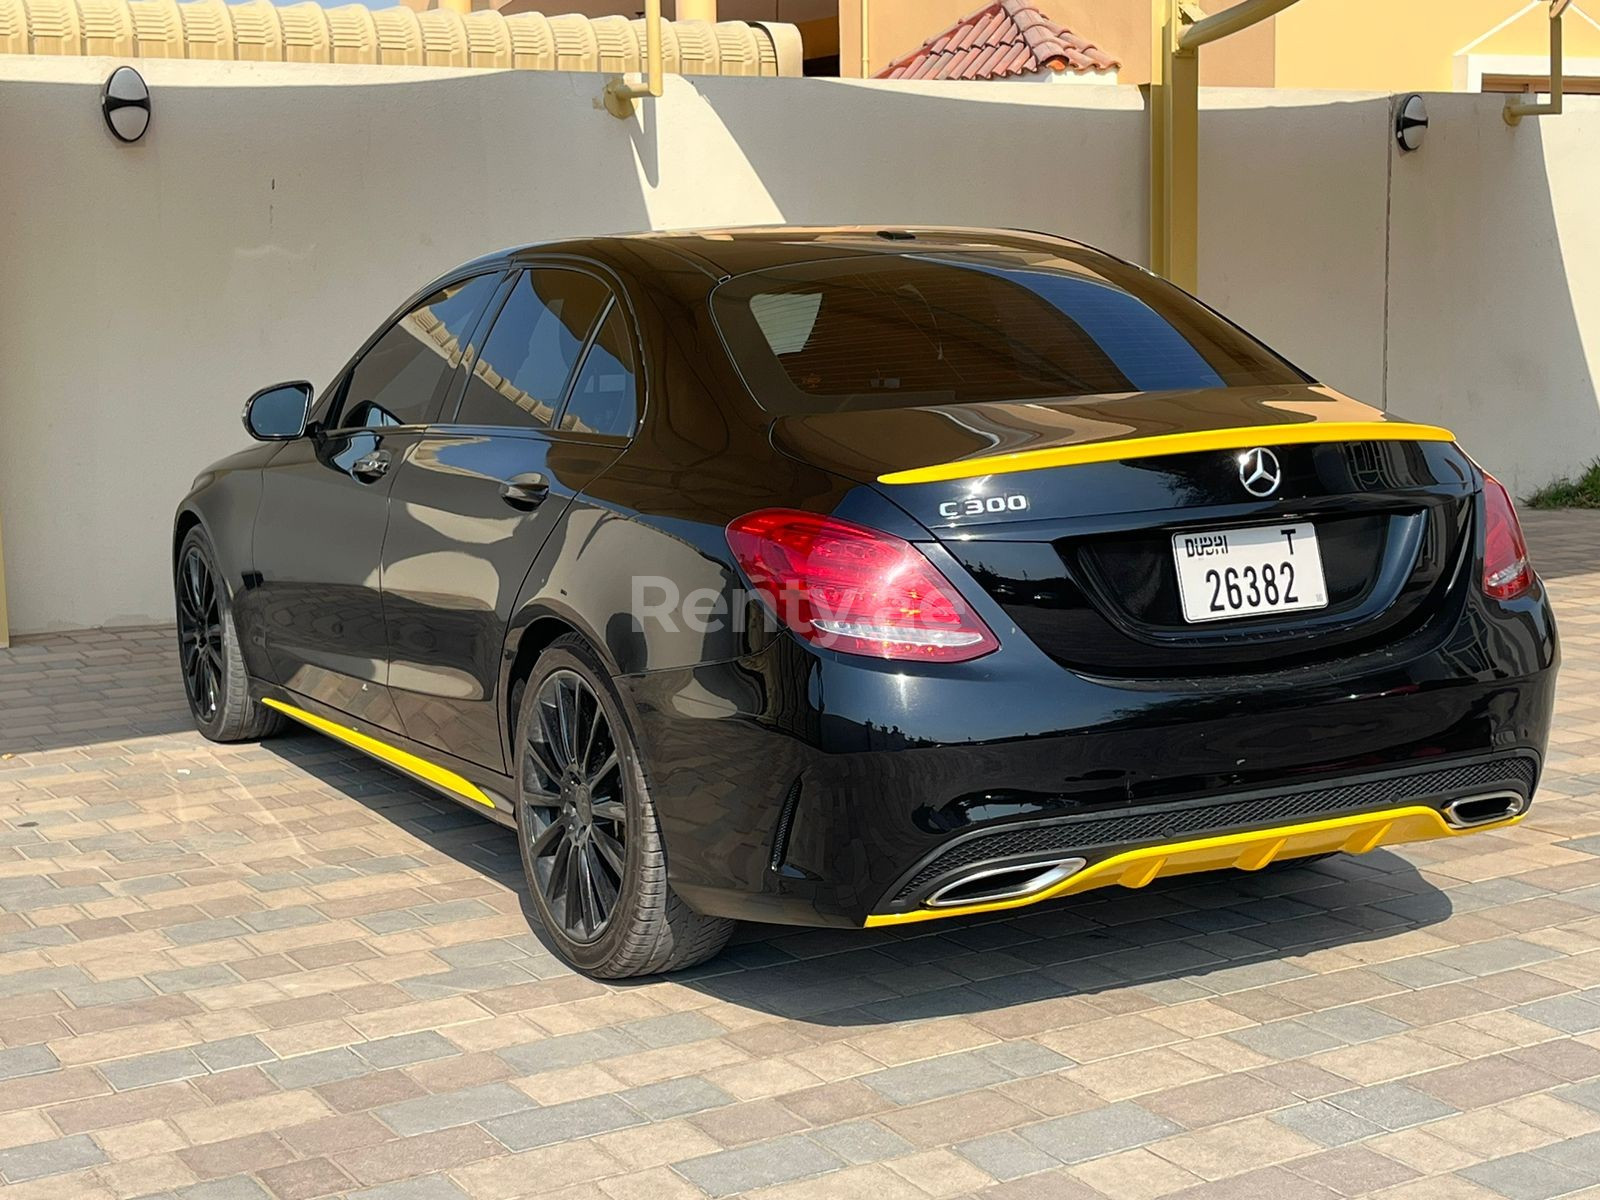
(1065, 514)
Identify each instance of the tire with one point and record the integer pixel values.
(585, 831)
(219, 690)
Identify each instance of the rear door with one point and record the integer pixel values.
(547, 404)
(325, 505)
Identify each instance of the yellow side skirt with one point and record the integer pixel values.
(421, 768)
(1244, 851)
(1117, 450)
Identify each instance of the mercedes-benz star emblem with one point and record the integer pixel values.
(1259, 471)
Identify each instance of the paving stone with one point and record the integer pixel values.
(145, 1070)
(1353, 1171)
(1284, 1039)
(1079, 1137)
(405, 1049)
(1005, 1156)
(1323, 1122)
(1525, 1177)
(308, 1070)
(562, 1122)
(229, 1053)
(863, 1142)
(1580, 1155)
(932, 1078)
(470, 1105)
(569, 1050)
(1392, 1105)
(673, 1030)
(675, 1098)
(26, 1060)
(112, 991)
(1353, 1023)
(1569, 1014)
(735, 1172)
(432, 1187)
(39, 1159)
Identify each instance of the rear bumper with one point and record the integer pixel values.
(1007, 867)
(807, 788)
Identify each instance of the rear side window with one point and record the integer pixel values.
(528, 357)
(402, 379)
(897, 331)
(605, 397)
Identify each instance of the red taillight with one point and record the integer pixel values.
(857, 590)
(1506, 570)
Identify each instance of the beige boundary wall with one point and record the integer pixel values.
(276, 212)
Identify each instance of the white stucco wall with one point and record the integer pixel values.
(276, 213)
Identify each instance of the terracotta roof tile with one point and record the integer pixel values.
(999, 40)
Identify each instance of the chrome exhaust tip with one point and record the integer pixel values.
(1003, 883)
(1471, 811)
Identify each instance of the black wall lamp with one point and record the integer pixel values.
(125, 104)
(1410, 122)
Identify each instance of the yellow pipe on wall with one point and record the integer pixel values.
(1515, 109)
(620, 95)
(866, 40)
(1180, 29)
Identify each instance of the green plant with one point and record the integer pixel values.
(1582, 492)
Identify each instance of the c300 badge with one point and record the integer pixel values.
(983, 506)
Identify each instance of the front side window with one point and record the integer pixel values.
(527, 359)
(605, 396)
(958, 328)
(402, 379)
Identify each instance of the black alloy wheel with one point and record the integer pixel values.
(588, 829)
(578, 823)
(215, 679)
(200, 634)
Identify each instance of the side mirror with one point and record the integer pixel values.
(278, 413)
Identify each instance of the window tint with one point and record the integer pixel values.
(402, 379)
(522, 373)
(605, 399)
(960, 328)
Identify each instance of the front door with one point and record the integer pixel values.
(325, 506)
(481, 493)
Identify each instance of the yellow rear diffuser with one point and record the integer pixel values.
(1241, 437)
(440, 777)
(1243, 851)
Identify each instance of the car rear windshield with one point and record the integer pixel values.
(893, 331)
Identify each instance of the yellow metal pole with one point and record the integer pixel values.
(1206, 30)
(1180, 29)
(1183, 170)
(1164, 13)
(620, 95)
(5, 618)
(1515, 109)
(866, 40)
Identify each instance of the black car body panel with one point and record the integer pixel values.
(801, 784)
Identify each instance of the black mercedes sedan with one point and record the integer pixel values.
(859, 577)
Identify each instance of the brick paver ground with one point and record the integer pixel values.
(282, 971)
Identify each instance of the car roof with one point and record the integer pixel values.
(732, 251)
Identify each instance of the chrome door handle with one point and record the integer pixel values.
(371, 466)
(526, 492)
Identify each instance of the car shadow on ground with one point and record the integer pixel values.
(1186, 938)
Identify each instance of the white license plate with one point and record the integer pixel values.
(1225, 573)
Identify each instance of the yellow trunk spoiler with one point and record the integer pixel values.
(1241, 437)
